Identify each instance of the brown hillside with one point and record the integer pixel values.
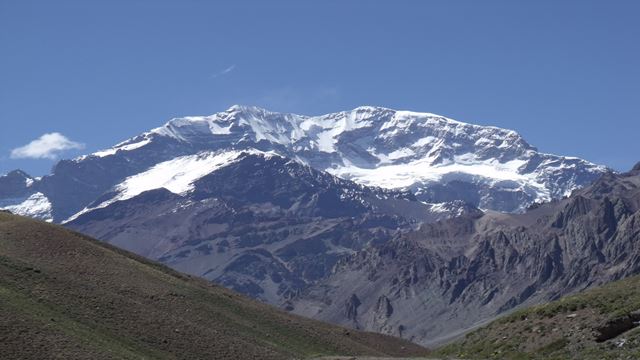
(64, 295)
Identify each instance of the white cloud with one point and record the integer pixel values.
(47, 146)
(224, 72)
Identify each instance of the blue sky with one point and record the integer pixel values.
(565, 74)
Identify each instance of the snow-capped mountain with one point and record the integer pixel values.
(272, 204)
(436, 158)
(18, 195)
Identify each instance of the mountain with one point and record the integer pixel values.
(326, 216)
(438, 159)
(596, 324)
(17, 194)
(258, 223)
(64, 295)
(433, 284)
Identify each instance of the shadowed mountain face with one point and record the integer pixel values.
(15, 184)
(277, 227)
(439, 160)
(432, 284)
(64, 295)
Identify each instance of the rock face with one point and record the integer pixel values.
(351, 307)
(452, 275)
(15, 184)
(614, 327)
(438, 159)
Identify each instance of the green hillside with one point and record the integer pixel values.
(601, 323)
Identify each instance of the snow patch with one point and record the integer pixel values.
(176, 175)
(407, 176)
(424, 142)
(216, 129)
(400, 154)
(113, 150)
(325, 142)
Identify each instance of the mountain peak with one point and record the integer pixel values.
(372, 109)
(251, 109)
(17, 174)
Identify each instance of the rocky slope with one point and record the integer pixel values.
(435, 283)
(64, 295)
(282, 227)
(436, 158)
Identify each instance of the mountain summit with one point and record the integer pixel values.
(436, 158)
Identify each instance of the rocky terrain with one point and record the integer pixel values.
(64, 295)
(433, 284)
(281, 228)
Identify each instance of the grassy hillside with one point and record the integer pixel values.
(601, 323)
(64, 295)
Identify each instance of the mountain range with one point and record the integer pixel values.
(372, 218)
(438, 159)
